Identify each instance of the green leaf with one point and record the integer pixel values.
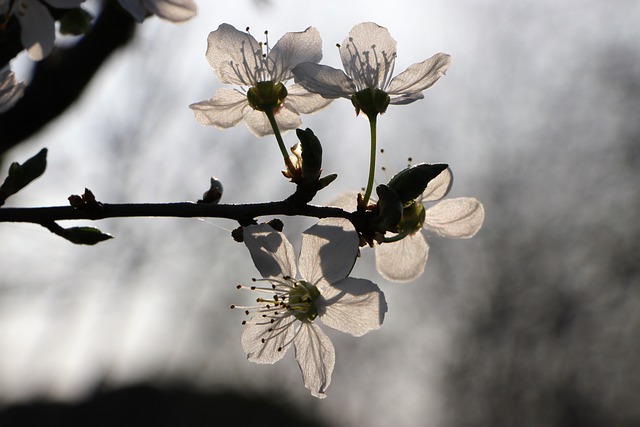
(84, 235)
(411, 182)
(21, 175)
(390, 209)
(311, 155)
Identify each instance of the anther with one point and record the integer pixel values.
(263, 340)
(244, 322)
(232, 306)
(247, 29)
(239, 287)
(253, 279)
(279, 348)
(246, 312)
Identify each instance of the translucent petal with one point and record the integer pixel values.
(38, 30)
(324, 80)
(259, 125)
(420, 76)
(293, 49)
(347, 201)
(172, 10)
(402, 261)
(10, 90)
(270, 250)
(461, 217)
(368, 55)
(316, 356)
(439, 186)
(353, 306)
(406, 98)
(328, 251)
(276, 335)
(224, 110)
(234, 55)
(301, 100)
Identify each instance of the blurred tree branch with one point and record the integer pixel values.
(59, 80)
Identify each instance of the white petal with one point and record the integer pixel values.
(353, 306)
(270, 250)
(10, 90)
(368, 55)
(324, 80)
(259, 125)
(277, 335)
(38, 30)
(234, 55)
(304, 102)
(421, 76)
(406, 99)
(347, 201)
(461, 217)
(316, 356)
(293, 49)
(328, 251)
(402, 261)
(224, 110)
(135, 8)
(439, 186)
(172, 10)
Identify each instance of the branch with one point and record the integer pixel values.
(244, 214)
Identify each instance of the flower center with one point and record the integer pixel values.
(412, 218)
(289, 297)
(370, 101)
(267, 96)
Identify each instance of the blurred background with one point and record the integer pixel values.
(533, 322)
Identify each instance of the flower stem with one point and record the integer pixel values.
(372, 160)
(283, 149)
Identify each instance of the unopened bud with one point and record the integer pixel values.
(411, 182)
(213, 194)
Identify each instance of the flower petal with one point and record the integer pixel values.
(277, 338)
(316, 356)
(460, 218)
(368, 55)
(302, 101)
(328, 251)
(259, 125)
(172, 10)
(439, 186)
(234, 55)
(291, 50)
(347, 201)
(324, 80)
(38, 30)
(10, 90)
(270, 250)
(420, 76)
(224, 110)
(402, 261)
(353, 306)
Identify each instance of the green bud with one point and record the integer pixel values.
(75, 22)
(85, 235)
(267, 96)
(370, 101)
(311, 155)
(411, 182)
(21, 175)
(390, 208)
(412, 218)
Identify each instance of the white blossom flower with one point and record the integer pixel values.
(462, 217)
(287, 313)
(37, 27)
(261, 72)
(10, 89)
(171, 10)
(404, 260)
(368, 56)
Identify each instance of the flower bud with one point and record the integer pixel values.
(390, 209)
(213, 194)
(311, 155)
(411, 182)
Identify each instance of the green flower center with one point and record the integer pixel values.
(267, 96)
(302, 298)
(412, 218)
(370, 101)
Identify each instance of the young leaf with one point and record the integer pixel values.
(20, 175)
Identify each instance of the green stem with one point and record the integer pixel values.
(372, 160)
(283, 149)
